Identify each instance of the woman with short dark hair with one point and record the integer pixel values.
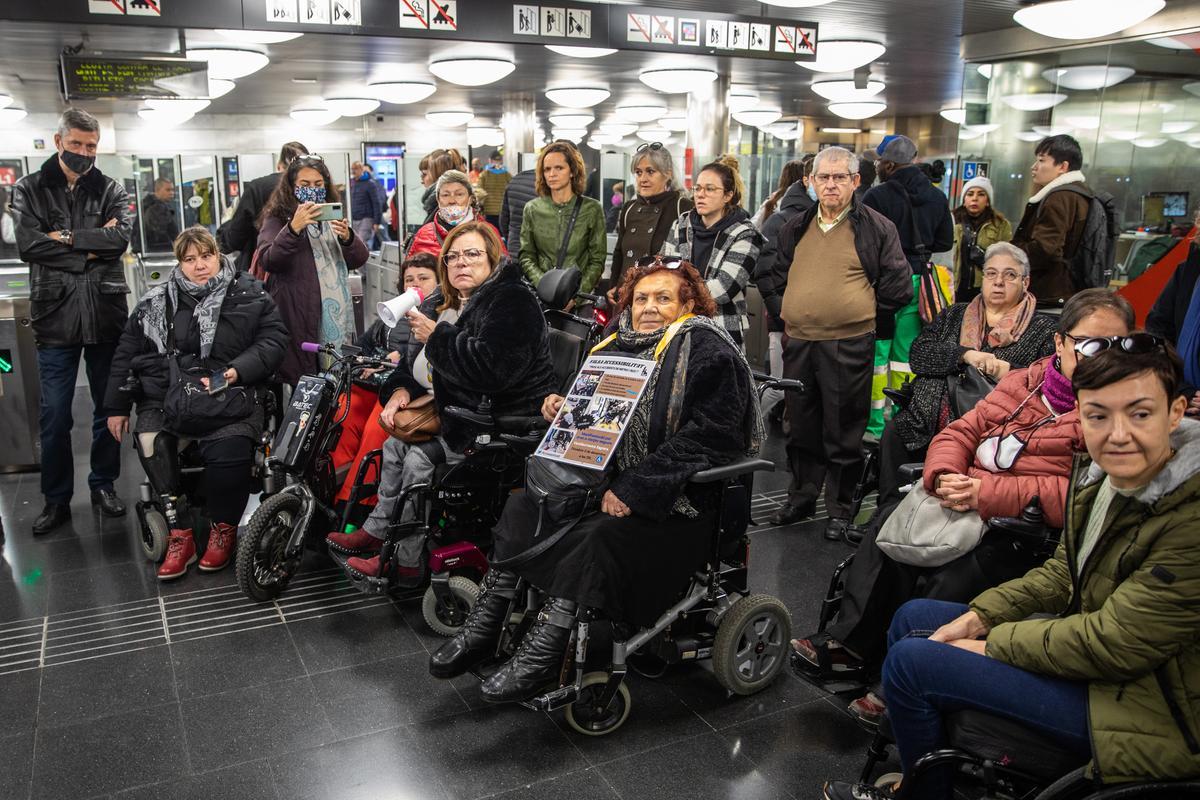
(562, 228)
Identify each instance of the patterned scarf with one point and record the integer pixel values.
(209, 298)
(337, 312)
(1057, 390)
(1010, 327)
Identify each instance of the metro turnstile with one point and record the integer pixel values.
(380, 274)
(20, 394)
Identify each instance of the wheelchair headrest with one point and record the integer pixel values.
(559, 287)
(566, 353)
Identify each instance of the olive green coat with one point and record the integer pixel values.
(996, 229)
(543, 227)
(1127, 625)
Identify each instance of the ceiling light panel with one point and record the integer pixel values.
(847, 91)
(843, 55)
(1033, 102)
(1087, 78)
(577, 96)
(677, 80)
(451, 118)
(472, 71)
(228, 63)
(1085, 19)
(857, 110)
(402, 92)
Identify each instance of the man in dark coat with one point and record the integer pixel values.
(368, 201)
(72, 226)
(519, 192)
(160, 224)
(1169, 319)
(240, 233)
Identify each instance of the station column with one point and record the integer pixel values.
(519, 124)
(708, 120)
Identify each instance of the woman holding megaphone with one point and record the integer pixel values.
(480, 335)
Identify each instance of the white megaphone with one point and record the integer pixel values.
(391, 312)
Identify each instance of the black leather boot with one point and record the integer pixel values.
(477, 638)
(539, 657)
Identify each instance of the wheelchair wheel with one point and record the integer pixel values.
(445, 619)
(585, 715)
(263, 568)
(153, 533)
(751, 644)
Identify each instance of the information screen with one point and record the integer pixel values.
(132, 76)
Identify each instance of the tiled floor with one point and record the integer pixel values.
(112, 685)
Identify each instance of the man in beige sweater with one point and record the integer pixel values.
(830, 281)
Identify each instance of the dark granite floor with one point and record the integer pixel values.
(112, 685)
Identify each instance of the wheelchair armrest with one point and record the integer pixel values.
(522, 425)
(467, 415)
(742, 467)
(765, 381)
(911, 473)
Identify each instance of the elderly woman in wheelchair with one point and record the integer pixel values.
(481, 340)
(195, 356)
(1095, 652)
(633, 559)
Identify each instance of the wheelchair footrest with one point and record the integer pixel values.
(560, 697)
(364, 583)
(851, 680)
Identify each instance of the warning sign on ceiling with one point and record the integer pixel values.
(282, 11)
(443, 15)
(525, 20)
(579, 23)
(132, 8)
(806, 41)
(346, 12)
(314, 12)
(414, 14)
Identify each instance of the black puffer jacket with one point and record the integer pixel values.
(909, 188)
(795, 201)
(75, 300)
(250, 337)
(498, 349)
(240, 233)
(521, 189)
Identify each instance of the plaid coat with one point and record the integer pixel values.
(729, 268)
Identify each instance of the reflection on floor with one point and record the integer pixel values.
(112, 685)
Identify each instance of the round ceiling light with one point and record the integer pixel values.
(577, 96)
(485, 137)
(11, 114)
(573, 120)
(653, 134)
(570, 134)
(1123, 136)
(315, 114)
(258, 37)
(847, 91)
(1183, 126)
(1033, 102)
(604, 137)
(450, 119)
(572, 51)
(5, 100)
(1148, 142)
(967, 134)
(1085, 19)
(402, 92)
(1030, 136)
(956, 115)
(353, 106)
(676, 123)
(219, 87)
(985, 70)
(1087, 78)
(641, 112)
(618, 129)
(472, 71)
(173, 106)
(757, 117)
(1087, 122)
(741, 99)
(843, 55)
(857, 110)
(986, 127)
(227, 63)
(1052, 130)
(1185, 41)
(788, 131)
(677, 80)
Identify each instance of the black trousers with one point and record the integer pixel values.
(893, 453)
(829, 418)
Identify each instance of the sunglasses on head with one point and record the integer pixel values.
(1135, 344)
(311, 157)
(649, 146)
(670, 262)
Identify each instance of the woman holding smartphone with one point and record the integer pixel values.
(307, 254)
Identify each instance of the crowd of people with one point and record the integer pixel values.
(1027, 386)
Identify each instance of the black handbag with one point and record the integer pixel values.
(564, 494)
(189, 408)
(967, 387)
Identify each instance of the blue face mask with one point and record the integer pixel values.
(310, 194)
(812, 192)
(365, 176)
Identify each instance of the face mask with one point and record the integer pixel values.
(77, 163)
(812, 192)
(452, 215)
(365, 176)
(999, 453)
(310, 194)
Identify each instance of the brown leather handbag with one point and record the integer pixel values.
(418, 422)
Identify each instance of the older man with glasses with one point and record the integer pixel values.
(829, 283)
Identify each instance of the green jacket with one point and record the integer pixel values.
(1128, 625)
(996, 229)
(542, 229)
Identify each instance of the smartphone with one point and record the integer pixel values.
(217, 382)
(330, 211)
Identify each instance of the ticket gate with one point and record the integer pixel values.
(20, 394)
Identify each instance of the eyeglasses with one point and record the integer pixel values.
(465, 256)
(1137, 344)
(649, 146)
(709, 189)
(1008, 276)
(670, 262)
(840, 178)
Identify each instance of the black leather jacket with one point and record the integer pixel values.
(75, 300)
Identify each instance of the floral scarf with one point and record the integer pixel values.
(337, 311)
(975, 331)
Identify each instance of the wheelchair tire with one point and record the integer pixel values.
(262, 569)
(751, 644)
(584, 717)
(447, 622)
(153, 534)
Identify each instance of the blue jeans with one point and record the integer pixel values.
(924, 680)
(57, 368)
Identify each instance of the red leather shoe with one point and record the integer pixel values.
(370, 568)
(353, 544)
(222, 541)
(181, 553)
